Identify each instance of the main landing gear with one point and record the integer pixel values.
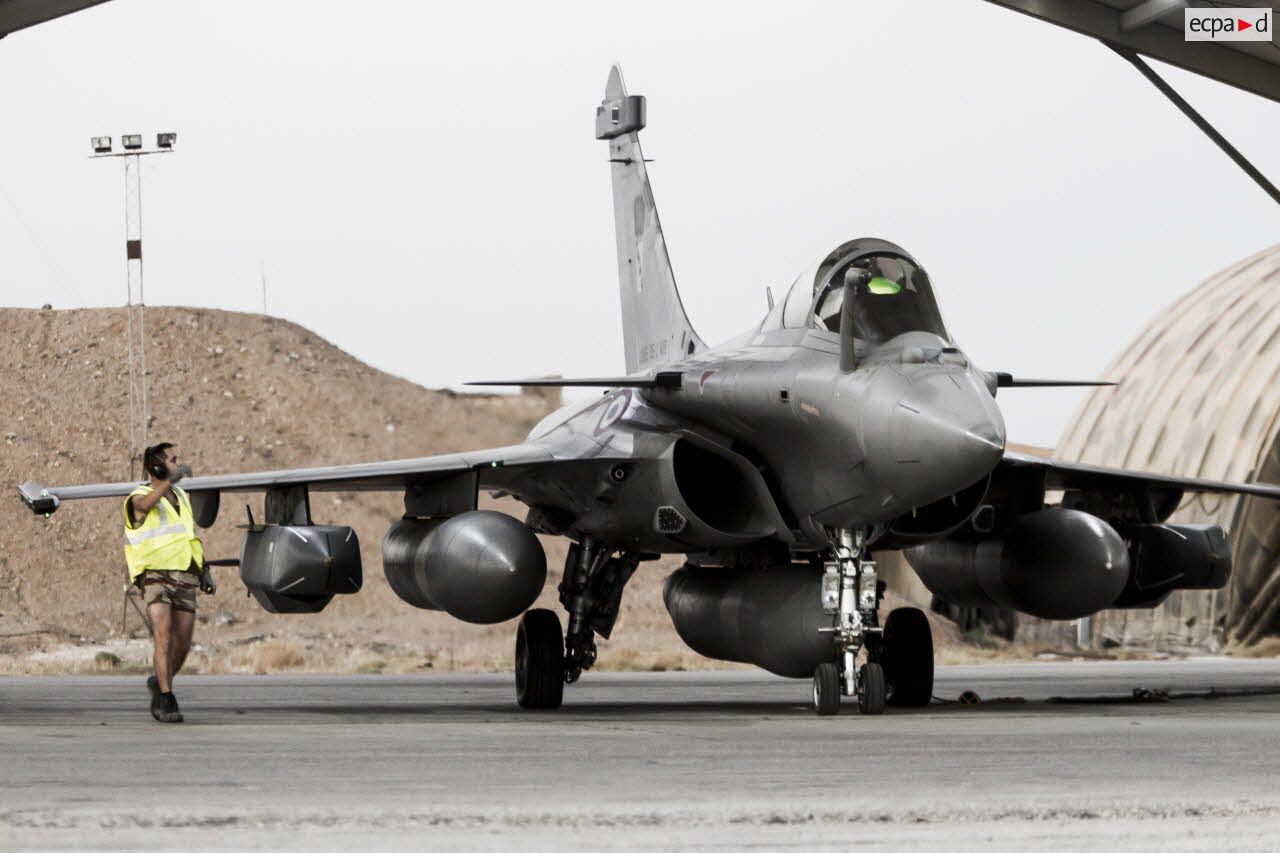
(539, 660)
(591, 591)
(899, 657)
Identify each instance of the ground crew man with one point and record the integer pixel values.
(166, 561)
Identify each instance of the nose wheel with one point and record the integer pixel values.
(828, 684)
(826, 689)
(871, 688)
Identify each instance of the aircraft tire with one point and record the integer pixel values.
(826, 689)
(539, 661)
(871, 689)
(908, 658)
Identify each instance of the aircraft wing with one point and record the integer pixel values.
(491, 467)
(1074, 475)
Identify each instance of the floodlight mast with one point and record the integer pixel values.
(139, 415)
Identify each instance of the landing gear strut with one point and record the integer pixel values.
(851, 594)
(591, 591)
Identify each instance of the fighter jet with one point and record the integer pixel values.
(845, 423)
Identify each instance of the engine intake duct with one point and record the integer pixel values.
(1054, 563)
(769, 617)
(300, 568)
(1168, 557)
(479, 566)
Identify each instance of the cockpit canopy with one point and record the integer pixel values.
(897, 298)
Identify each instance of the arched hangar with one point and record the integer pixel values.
(1199, 395)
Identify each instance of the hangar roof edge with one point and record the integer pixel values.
(1153, 28)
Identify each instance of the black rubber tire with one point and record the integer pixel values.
(871, 689)
(539, 661)
(908, 658)
(826, 689)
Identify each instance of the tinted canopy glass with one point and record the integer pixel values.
(894, 297)
(897, 296)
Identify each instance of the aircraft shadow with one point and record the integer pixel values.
(701, 709)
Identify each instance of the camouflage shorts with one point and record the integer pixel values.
(177, 589)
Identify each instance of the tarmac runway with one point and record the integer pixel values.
(664, 760)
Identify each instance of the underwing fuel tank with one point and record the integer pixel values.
(479, 566)
(1055, 564)
(771, 617)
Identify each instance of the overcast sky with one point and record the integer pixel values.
(422, 185)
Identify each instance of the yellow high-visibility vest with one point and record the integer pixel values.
(165, 540)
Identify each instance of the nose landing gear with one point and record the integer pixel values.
(899, 657)
(851, 593)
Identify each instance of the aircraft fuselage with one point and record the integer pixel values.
(912, 424)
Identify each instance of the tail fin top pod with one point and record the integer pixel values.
(655, 329)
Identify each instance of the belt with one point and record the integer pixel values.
(148, 576)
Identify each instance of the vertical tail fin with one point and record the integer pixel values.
(655, 330)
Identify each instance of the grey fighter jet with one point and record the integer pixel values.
(844, 423)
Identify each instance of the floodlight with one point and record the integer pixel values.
(101, 144)
(166, 140)
(132, 141)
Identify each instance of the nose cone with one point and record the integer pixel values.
(942, 432)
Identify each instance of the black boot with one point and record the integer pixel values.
(164, 707)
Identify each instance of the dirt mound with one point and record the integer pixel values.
(243, 392)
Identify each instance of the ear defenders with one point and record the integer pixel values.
(153, 464)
